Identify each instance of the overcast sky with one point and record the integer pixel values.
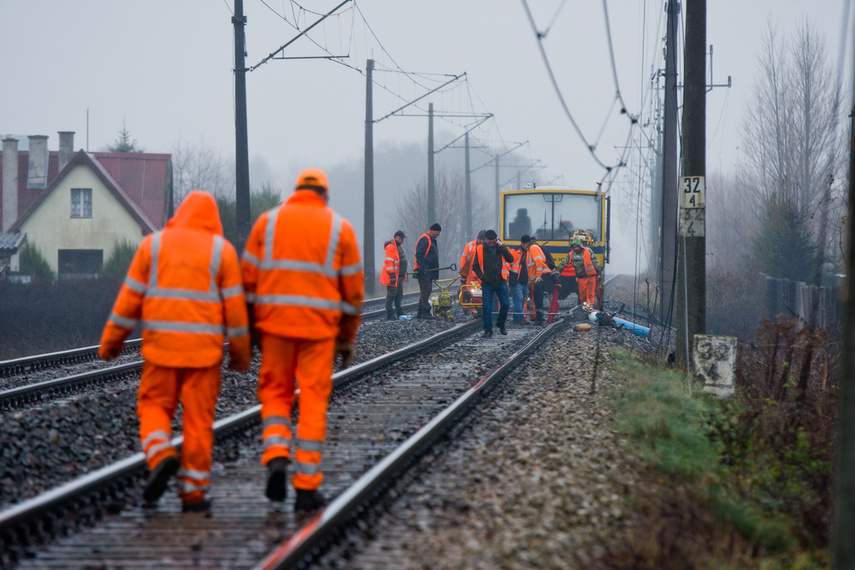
(165, 69)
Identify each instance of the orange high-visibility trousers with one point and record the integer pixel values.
(159, 393)
(310, 363)
(587, 289)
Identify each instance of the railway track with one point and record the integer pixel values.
(377, 406)
(27, 381)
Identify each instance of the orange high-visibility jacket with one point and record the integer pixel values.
(535, 262)
(466, 257)
(302, 270)
(391, 264)
(184, 285)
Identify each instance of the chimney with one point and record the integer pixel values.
(10, 183)
(37, 169)
(66, 148)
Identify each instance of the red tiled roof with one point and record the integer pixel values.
(144, 178)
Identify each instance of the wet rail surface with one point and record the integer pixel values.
(40, 378)
(366, 422)
(20, 371)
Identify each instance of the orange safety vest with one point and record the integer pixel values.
(184, 284)
(391, 264)
(466, 257)
(590, 271)
(515, 264)
(303, 272)
(535, 262)
(479, 257)
(415, 258)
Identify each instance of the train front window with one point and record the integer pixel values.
(550, 216)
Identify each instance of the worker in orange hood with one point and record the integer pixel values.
(304, 283)
(184, 288)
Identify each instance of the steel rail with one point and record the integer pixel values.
(307, 543)
(25, 522)
(36, 362)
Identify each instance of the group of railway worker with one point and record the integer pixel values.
(296, 293)
(503, 273)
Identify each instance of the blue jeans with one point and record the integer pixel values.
(518, 293)
(487, 292)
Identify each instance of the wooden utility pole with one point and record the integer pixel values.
(242, 213)
(368, 226)
(842, 545)
(691, 270)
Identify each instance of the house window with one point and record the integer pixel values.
(81, 202)
(80, 263)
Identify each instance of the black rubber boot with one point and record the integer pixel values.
(160, 479)
(308, 500)
(277, 473)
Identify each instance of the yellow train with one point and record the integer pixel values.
(554, 216)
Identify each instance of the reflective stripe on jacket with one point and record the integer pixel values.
(466, 257)
(428, 261)
(391, 265)
(587, 266)
(302, 271)
(184, 287)
(493, 273)
(535, 262)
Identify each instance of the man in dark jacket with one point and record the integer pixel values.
(427, 268)
(487, 265)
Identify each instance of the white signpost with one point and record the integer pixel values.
(714, 359)
(693, 202)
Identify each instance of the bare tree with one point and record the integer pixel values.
(730, 221)
(411, 207)
(197, 166)
(792, 137)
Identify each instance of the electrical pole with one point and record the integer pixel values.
(842, 546)
(242, 213)
(668, 237)
(468, 219)
(431, 190)
(498, 192)
(691, 273)
(368, 231)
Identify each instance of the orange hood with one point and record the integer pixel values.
(198, 211)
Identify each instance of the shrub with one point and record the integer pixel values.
(120, 260)
(34, 263)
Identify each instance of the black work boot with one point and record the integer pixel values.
(308, 500)
(419, 313)
(159, 478)
(202, 506)
(277, 472)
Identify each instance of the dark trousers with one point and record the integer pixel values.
(538, 289)
(394, 296)
(487, 292)
(425, 288)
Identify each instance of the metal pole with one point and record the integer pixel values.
(431, 204)
(469, 229)
(242, 213)
(498, 196)
(368, 237)
(691, 295)
(669, 182)
(842, 545)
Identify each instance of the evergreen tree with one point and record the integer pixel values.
(120, 260)
(34, 263)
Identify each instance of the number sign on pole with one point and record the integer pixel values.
(692, 206)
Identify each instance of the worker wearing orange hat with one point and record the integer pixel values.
(304, 285)
(184, 287)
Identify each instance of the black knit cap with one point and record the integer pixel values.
(490, 234)
(525, 238)
(400, 234)
(436, 228)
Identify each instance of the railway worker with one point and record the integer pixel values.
(426, 267)
(466, 258)
(184, 286)
(487, 265)
(587, 268)
(304, 285)
(538, 274)
(394, 274)
(517, 287)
